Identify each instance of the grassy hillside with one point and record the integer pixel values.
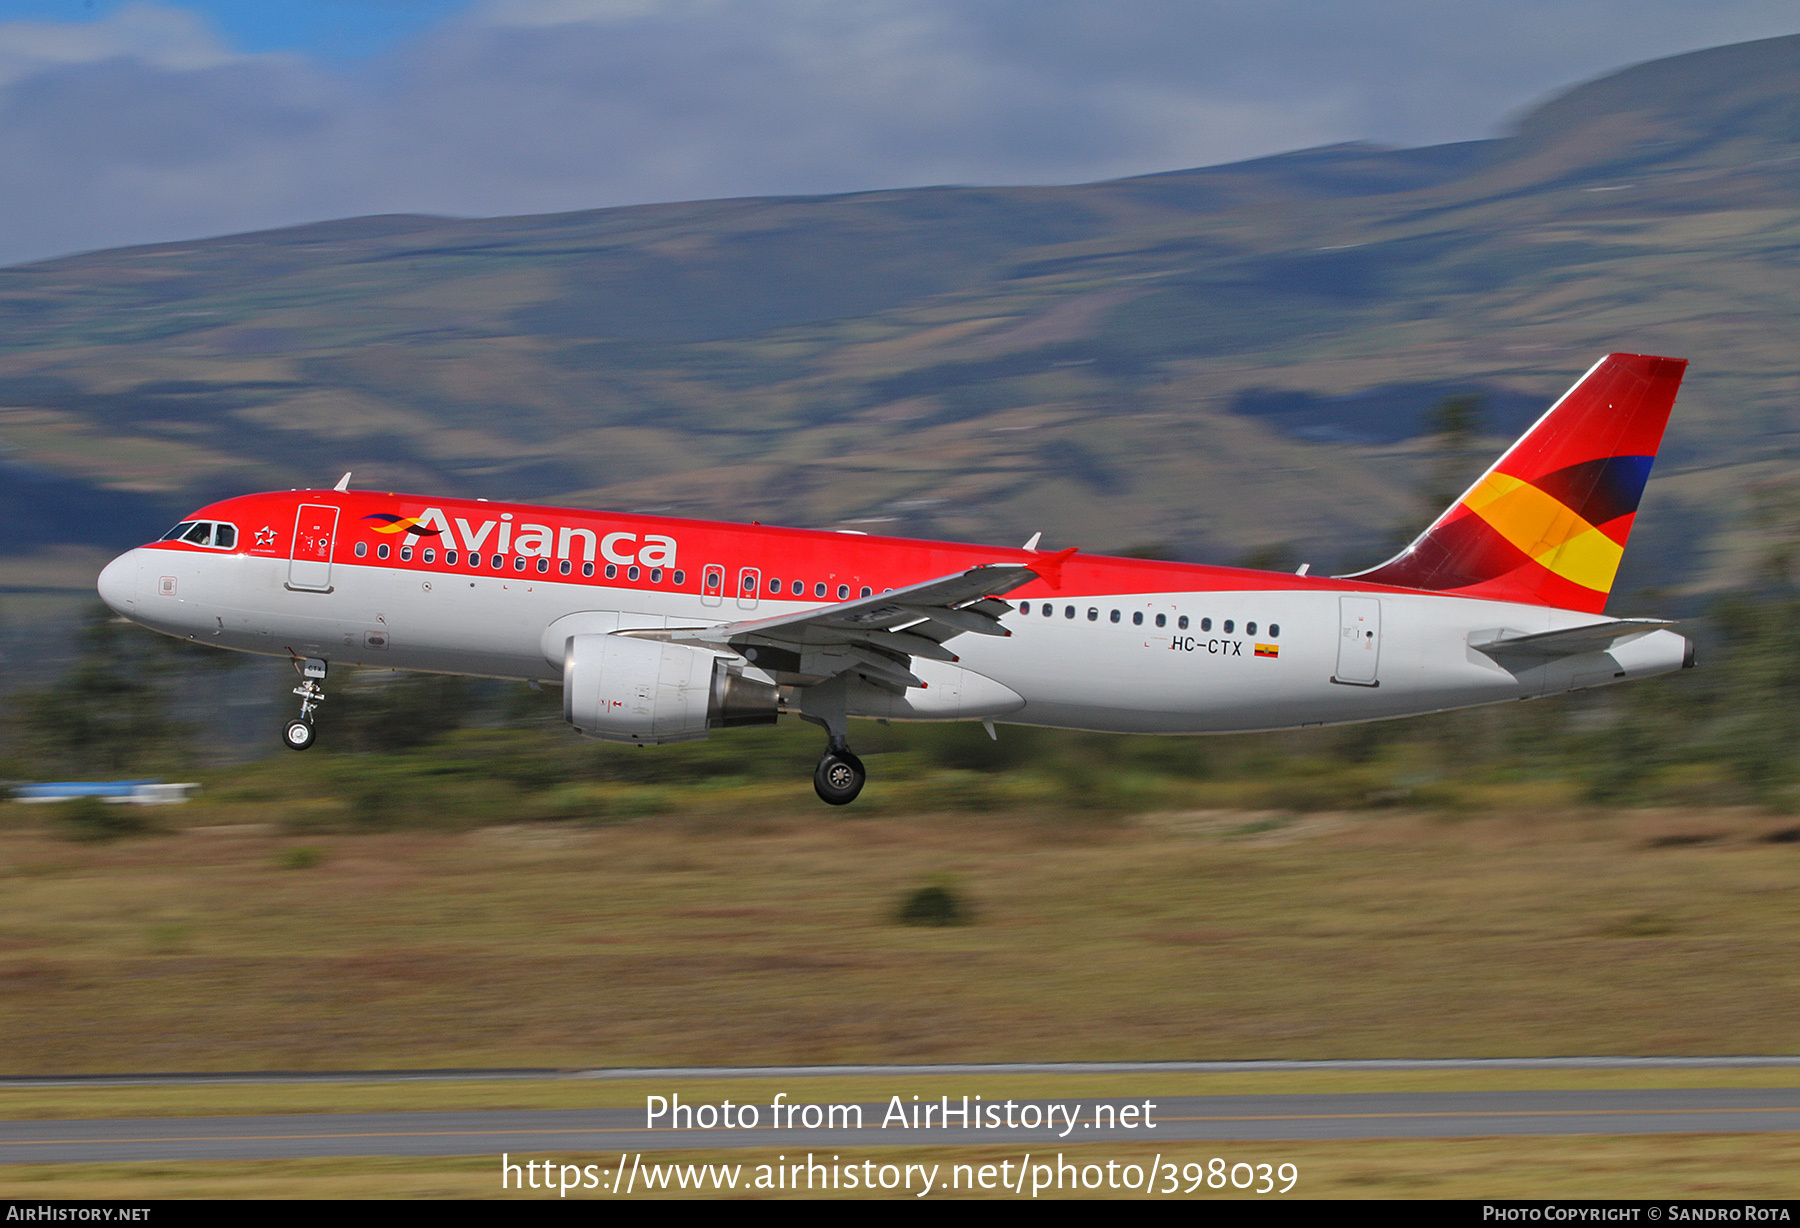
(1218, 360)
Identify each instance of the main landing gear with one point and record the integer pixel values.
(299, 734)
(840, 775)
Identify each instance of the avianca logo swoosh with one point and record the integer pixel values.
(401, 524)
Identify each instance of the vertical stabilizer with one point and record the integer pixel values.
(1548, 523)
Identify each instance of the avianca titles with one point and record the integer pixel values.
(662, 630)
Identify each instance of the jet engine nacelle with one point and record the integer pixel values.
(622, 689)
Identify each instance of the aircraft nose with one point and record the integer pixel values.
(118, 583)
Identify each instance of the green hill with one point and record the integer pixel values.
(1217, 360)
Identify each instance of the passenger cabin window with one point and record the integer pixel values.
(1137, 618)
(775, 586)
(799, 588)
(1274, 631)
(362, 548)
(1182, 622)
(867, 591)
(519, 562)
(1115, 616)
(381, 551)
(818, 590)
(406, 554)
(1093, 615)
(612, 570)
(843, 592)
(587, 569)
(1228, 626)
(565, 567)
(1249, 628)
(429, 555)
(450, 558)
(1162, 620)
(632, 572)
(543, 565)
(1206, 624)
(1068, 611)
(656, 575)
(680, 576)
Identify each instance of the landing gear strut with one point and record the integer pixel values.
(840, 775)
(299, 734)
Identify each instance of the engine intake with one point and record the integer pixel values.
(623, 689)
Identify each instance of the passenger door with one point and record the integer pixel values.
(1359, 641)
(309, 564)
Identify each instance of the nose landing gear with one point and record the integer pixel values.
(299, 734)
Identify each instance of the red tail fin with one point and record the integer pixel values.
(1548, 523)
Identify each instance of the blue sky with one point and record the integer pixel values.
(131, 121)
(340, 31)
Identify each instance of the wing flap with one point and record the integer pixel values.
(878, 635)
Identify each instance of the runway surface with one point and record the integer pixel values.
(603, 1133)
(502, 1073)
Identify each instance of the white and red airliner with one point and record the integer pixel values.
(661, 630)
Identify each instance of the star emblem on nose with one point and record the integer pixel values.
(265, 536)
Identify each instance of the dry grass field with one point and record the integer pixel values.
(746, 940)
(768, 937)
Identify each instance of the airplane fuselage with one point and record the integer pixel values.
(1121, 645)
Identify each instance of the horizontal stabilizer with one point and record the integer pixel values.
(1569, 642)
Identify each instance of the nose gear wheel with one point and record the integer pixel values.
(298, 735)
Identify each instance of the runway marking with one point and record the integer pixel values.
(1476, 1114)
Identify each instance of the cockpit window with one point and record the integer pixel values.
(211, 533)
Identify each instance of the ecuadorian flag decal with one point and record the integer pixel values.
(1268, 650)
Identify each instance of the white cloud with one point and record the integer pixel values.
(168, 38)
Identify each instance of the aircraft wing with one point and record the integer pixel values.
(877, 636)
(1572, 641)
